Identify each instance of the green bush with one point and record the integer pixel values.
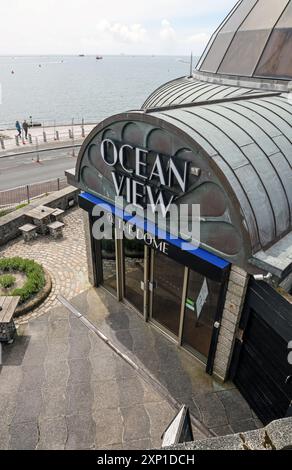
(33, 271)
(7, 281)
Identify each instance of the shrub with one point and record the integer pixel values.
(7, 281)
(33, 271)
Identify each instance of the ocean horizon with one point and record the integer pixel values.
(58, 88)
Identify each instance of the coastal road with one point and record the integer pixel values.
(23, 169)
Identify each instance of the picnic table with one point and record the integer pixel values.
(8, 306)
(41, 217)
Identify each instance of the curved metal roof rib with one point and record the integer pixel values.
(188, 91)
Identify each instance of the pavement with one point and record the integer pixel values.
(37, 135)
(62, 387)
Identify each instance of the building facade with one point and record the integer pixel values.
(220, 139)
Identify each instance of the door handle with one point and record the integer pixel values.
(152, 286)
(288, 380)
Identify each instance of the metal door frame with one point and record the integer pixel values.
(175, 338)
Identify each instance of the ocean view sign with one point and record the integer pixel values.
(143, 177)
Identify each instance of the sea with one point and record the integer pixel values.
(58, 89)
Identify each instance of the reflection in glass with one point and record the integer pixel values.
(255, 40)
(222, 41)
(277, 58)
(201, 306)
(244, 52)
(134, 273)
(109, 274)
(167, 295)
(217, 52)
(264, 15)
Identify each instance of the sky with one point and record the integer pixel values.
(109, 27)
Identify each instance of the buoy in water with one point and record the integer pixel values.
(12, 71)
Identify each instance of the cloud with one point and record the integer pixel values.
(167, 33)
(197, 42)
(141, 27)
(122, 32)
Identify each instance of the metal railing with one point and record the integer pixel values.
(11, 198)
(44, 135)
(41, 123)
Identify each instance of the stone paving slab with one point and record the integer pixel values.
(219, 407)
(70, 391)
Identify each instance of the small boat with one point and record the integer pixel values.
(81, 55)
(99, 57)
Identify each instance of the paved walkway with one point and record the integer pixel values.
(219, 407)
(61, 387)
(65, 259)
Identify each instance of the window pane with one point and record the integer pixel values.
(167, 295)
(108, 252)
(244, 53)
(286, 19)
(201, 306)
(222, 41)
(277, 58)
(216, 53)
(238, 16)
(264, 15)
(134, 272)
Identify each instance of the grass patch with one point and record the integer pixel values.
(4, 212)
(8, 211)
(7, 281)
(33, 271)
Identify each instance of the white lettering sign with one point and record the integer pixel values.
(131, 181)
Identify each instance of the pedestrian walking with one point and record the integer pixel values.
(25, 128)
(18, 128)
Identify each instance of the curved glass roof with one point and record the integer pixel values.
(255, 40)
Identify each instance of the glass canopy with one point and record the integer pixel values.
(255, 40)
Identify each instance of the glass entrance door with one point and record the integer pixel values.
(166, 283)
(200, 309)
(134, 256)
(106, 263)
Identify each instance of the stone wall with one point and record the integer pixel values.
(235, 297)
(10, 223)
(276, 436)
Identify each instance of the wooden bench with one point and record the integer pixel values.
(29, 232)
(56, 229)
(7, 327)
